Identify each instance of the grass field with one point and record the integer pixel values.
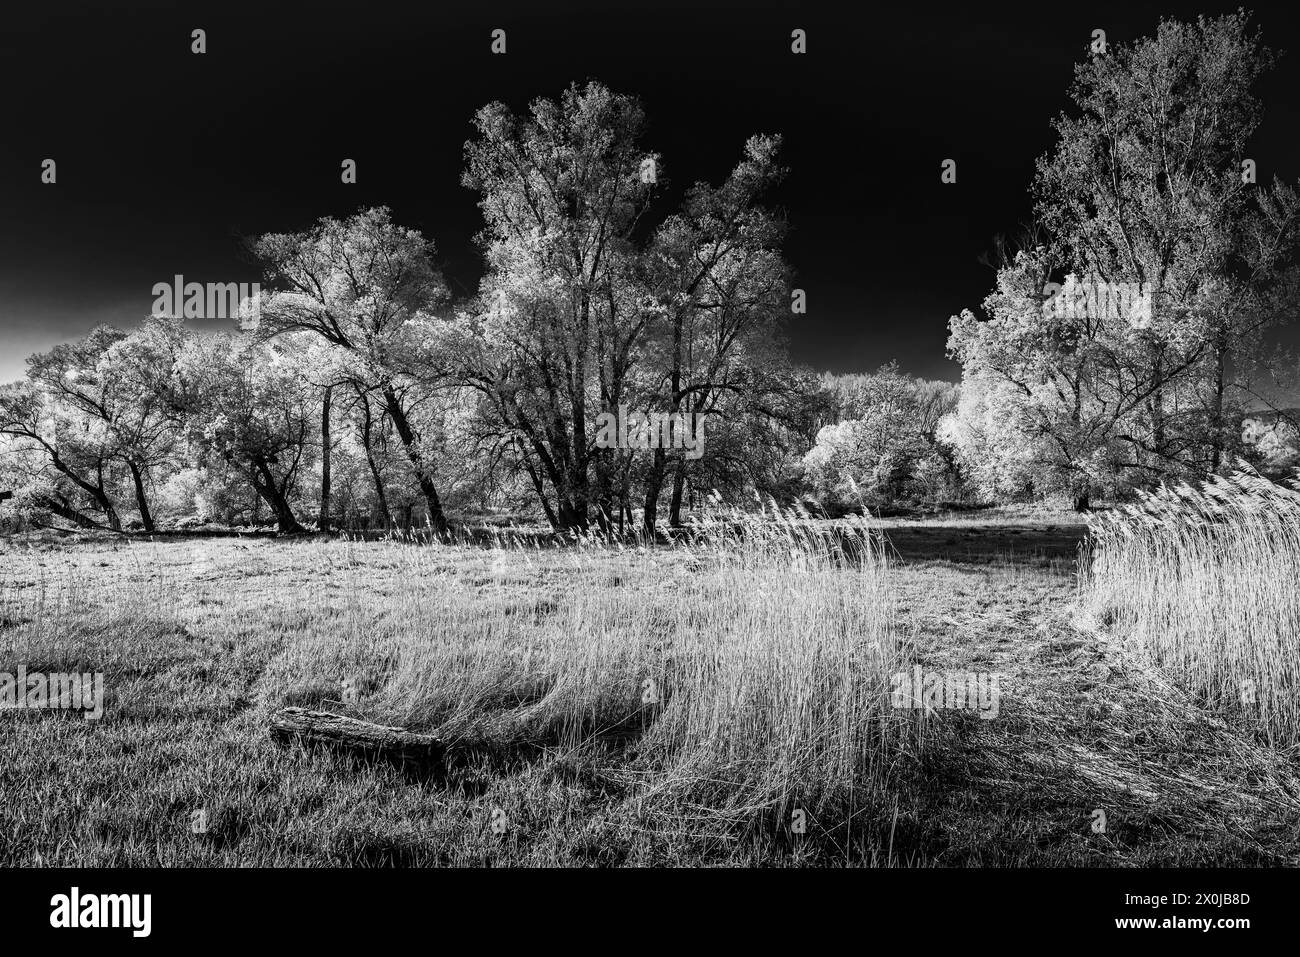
(748, 687)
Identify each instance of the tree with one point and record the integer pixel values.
(85, 416)
(145, 423)
(883, 449)
(1143, 197)
(359, 285)
(1059, 380)
(250, 406)
(578, 315)
(58, 466)
(720, 288)
(561, 192)
(996, 437)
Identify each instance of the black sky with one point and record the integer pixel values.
(165, 158)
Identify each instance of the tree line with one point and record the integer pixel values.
(362, 365)
(1132, 330)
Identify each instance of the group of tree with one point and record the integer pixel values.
(1150, 191)
(366, 391)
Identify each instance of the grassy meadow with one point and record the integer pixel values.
(722, 701)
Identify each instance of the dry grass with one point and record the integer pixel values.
(1086, 725)
(1205, 579)
(678, 703)
(769, 646)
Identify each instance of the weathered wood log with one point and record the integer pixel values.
(421, 753)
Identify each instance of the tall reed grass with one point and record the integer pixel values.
(745, 670)
(1208, 580)
(703, 691)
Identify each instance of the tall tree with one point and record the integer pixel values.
(719, 284)
(580, 313)
(1145, 193)
(562, 190)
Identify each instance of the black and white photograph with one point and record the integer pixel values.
(819, 448)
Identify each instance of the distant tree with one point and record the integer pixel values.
(54, 464)
(1271, 441)
(1003, 452)
(883, 448)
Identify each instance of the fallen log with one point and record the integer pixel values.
(420, 753)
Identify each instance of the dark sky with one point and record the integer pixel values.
(165, 158)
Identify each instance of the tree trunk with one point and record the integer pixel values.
(366, 440)
(63, 510)
(1081, 502)
(110, 511)
(141, 502)
(540, 489)
(1216, 450)
(659, 471)
(324, 521)
(679, 484)
(653, 484)
(94, 491)
(264, 483)
(603, 491)
(407, 749)
(385, 516)
(407, 435)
